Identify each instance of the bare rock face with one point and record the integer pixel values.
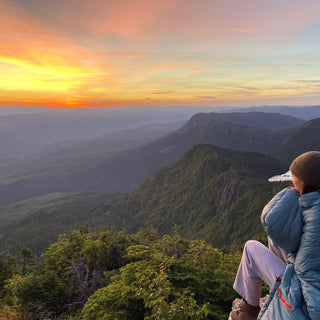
(229, 189)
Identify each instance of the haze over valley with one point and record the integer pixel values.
(122, 172)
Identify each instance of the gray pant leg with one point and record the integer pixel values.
(277, 250)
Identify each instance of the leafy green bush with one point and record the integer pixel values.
(172, 279)
(103, 275)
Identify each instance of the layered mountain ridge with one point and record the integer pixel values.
(125, 170)
(209, 177)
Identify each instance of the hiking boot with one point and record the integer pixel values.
(245, 312)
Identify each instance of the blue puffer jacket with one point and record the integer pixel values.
(293, 223)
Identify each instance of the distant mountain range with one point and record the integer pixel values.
(265, 120)
(209, 176)
(124, 171)
(26, 135)
(302, 112)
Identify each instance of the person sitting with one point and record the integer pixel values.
(291, 265)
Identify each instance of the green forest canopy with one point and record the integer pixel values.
(90, 274)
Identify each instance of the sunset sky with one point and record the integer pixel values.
(110, 53)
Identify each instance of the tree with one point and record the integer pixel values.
(143, 289)
(40, 294)
(118, 276)
(8, 267)
(27, 254)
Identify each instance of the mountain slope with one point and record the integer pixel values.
(254, 119)
(304, 139)
(304, 112)
(35, 223)
(212, 193)
(206, 186)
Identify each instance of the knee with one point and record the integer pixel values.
(252, 246)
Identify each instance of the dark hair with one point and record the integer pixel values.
(308, 188)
